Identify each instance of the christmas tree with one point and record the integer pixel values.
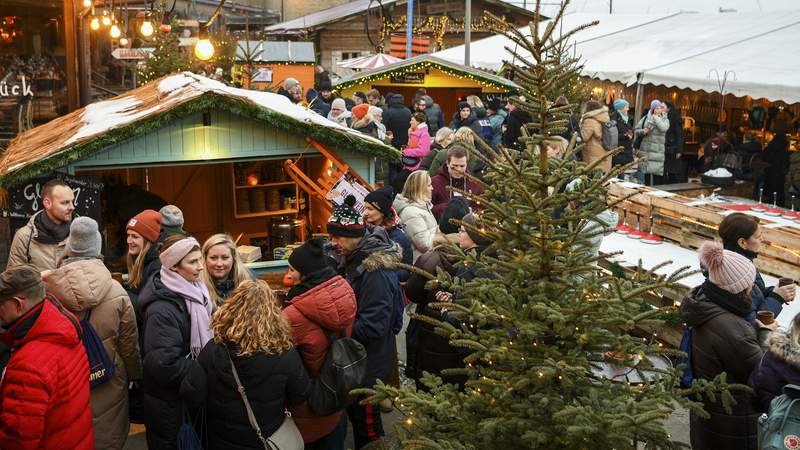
(542, 323)
(168, 57)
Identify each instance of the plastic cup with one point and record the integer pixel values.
(766, 317)
(785, 281)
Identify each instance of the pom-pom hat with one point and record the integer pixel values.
(728, 270)
(309, 257)
(346, 221)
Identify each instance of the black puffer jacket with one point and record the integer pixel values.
(514, 122)
(625, 133)
(270, 381)
(166, 345)
(722, 341)
(397, 119)
(151, 267)
(470, 122)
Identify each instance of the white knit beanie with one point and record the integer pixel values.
(726, 269)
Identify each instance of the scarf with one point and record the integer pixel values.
(49, 232)
(725, 300)
(623, 115)
(194, 293)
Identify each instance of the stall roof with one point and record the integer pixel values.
(679, 50)
(319, 19)
(89, 130)
(277, 51)
(426, 60)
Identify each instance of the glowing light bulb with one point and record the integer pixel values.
(87, 3)
(95, 23)
(106, 21)
(204, 49)
(123, 42)
(115, 32)
(146, 29)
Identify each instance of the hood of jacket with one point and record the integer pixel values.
(696, 309)
(46, 322)
(600, 115)
(464, 122)
(779, 343)
(396, 101)
(331, 304)
(376, 251)
(156, 291)
(81, 284)
(401, 203)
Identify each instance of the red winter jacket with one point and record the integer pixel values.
(332, 305)
(44, 395)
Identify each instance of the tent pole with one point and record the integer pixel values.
(639, 101)
(467, 31)
(409, 28)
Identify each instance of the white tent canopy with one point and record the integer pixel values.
(678, 50)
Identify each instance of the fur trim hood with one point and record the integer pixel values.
(779, 343)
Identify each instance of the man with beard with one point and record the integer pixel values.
(42, 240)
(363, 255)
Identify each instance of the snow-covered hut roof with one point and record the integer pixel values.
(277, 51)
(89, 130)
(426, 60)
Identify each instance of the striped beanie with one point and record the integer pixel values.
(346, 221)
(728, 270)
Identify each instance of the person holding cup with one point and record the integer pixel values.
(741, 233)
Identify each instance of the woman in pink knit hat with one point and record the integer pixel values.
(723, 341)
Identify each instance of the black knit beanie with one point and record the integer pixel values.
(456, 208)
(309, 257)
(382, 200)
(462, 105)
(346, 221)
(472, 220)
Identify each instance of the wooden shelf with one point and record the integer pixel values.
(266, 185)
(279, 212)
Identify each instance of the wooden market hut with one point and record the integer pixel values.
(232, 159)
(271, 62)
(445, 81)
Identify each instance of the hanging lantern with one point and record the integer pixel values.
(204, 50)
(115, 31)
(87, 3)
(106, 20)
(94, 24)
(123, 42)
(147, 28)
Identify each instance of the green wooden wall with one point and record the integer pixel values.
(228, 138)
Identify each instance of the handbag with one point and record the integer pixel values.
(410, 161)
(188, 439)
(286, 437)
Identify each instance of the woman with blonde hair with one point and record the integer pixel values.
(224, 269)
(142, 258)
(252, 337)
(413, 206)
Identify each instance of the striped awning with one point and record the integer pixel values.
(369, 62)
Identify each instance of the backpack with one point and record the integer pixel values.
(344, 369)
(610, 139)
(779, 428)
(687, 376)
(101, 368)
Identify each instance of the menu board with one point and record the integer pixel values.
(25, 200)
(348, 185)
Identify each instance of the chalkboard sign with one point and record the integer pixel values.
(408, 78)
(25, 200)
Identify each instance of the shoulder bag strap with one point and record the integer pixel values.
(250, 415)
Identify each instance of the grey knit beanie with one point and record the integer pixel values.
(171, 216)
(84, 238)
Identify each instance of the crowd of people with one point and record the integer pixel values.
(192, 336)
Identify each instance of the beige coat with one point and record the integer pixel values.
(592, 135)
(25, 249)
(86, 284)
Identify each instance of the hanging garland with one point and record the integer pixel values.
(438, 26)
(208, 101)
(425, 64)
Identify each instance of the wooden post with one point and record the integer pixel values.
(70, 44)
(84, 61)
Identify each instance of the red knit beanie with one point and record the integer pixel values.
(147, 223)
(360, 110)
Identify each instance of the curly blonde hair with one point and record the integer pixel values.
(251, 318)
